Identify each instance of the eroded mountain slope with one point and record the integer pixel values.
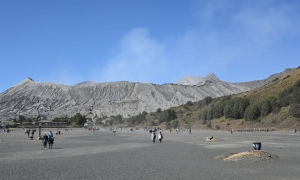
(51, 100)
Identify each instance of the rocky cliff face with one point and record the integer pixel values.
(51, 100)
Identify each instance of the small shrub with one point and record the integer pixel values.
(189, 103)
(217, 127)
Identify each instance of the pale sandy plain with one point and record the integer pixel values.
(81, 154)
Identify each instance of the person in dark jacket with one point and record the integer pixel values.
(153, 137)
(45, 140)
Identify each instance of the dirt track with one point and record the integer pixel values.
(81, 154)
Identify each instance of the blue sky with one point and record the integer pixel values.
(157, 41)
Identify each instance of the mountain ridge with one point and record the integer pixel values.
(33, 99)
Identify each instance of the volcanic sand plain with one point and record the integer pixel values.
(101, 154)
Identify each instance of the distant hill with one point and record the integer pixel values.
(95, 100)
(199, 81)
(276, 105)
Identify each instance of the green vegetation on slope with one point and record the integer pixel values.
(254, 106)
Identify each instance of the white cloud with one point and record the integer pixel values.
(227, 35)
(268, 25)
(232, 32)
(139, 57)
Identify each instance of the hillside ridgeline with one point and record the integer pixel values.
(123, 99)
(273, 106)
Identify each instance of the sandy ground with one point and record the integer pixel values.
(81, 154)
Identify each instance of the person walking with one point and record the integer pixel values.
(32, 134)
(50, 134)
(160, 137)
(50, 137)
(153, 137)
(45, 140)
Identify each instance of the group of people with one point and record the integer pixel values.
(27, 131)
(7, 130)
(58, 132)
(159, 136)
(47, 138)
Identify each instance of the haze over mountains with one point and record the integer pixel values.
(49, 100)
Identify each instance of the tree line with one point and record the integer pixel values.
(248, 109)
(229, 107)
